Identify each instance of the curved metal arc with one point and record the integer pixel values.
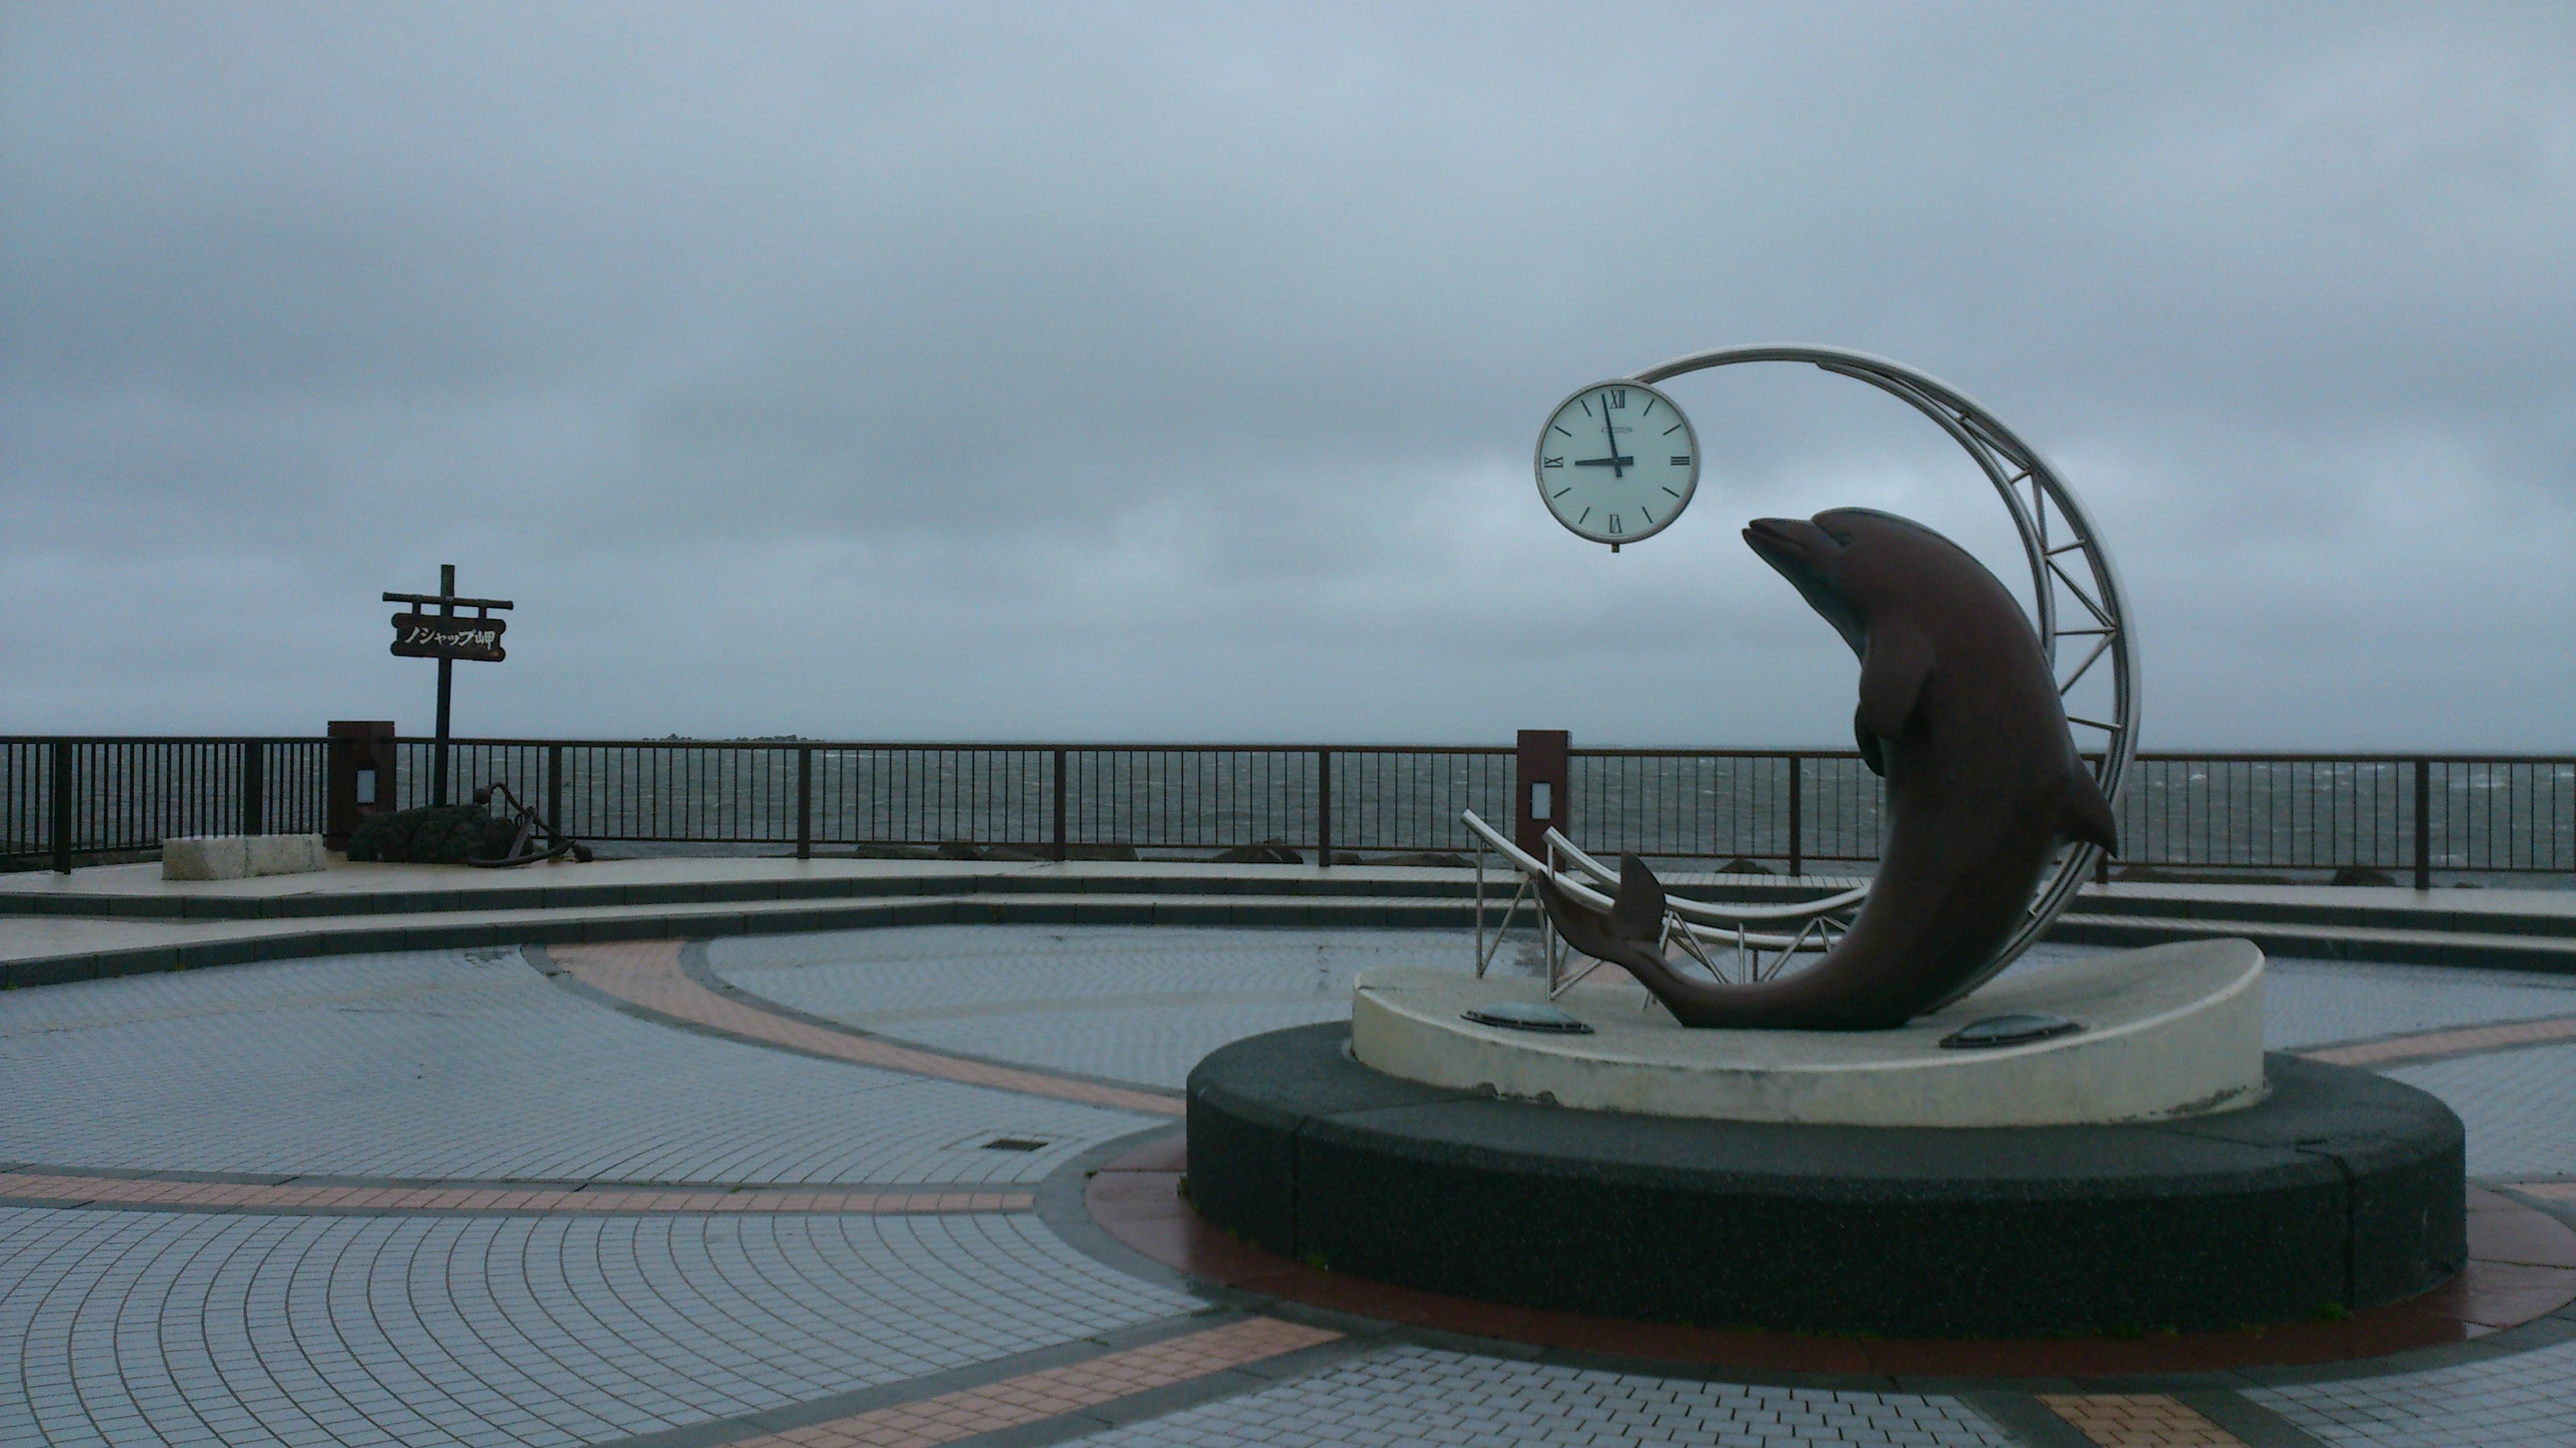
(1983, 436)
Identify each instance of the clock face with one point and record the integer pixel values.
(1617, 462)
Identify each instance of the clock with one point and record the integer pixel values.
(1616, 463)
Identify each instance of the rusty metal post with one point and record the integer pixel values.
(1542, 770)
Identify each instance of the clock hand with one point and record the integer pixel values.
(1613, 462)
(1618, 464)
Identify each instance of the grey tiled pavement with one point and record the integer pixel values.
(471, 1064)
(2309, 1002)
(131, 1326)
(202, 1328)
(1410, 1395)
(1133, 1004)
(2519, 1107)
(2526, 1401)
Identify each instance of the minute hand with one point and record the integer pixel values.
(1610, 462)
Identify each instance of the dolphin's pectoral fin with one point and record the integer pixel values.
(1869, 747)
(2086, 815)
(1638, 912)
(1891, 678)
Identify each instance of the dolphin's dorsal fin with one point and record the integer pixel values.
(1891, 677)
(2086, 815)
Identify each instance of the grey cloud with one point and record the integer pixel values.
(1171, 370)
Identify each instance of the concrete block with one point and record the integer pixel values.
(285, 854)
(205, 857)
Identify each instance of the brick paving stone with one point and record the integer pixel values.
(2517, 1105)
(1054, 1392)
(460, 1064)
(1411, 1395)
(62, 1188)
(2138, 1420)
(647, 973)
(2524, 1401)
(546, 1330)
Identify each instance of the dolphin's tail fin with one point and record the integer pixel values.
(2086, 815)
(1638, 912)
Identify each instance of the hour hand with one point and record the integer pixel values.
(1612, 462)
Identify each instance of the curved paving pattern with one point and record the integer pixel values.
(768, 1195)
(1135, 1004)
(183, 1328)
(470, 1064)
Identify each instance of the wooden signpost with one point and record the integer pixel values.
(447, 636)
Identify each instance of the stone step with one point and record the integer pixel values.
(68, 947)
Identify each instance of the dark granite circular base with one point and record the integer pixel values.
(2342, 1190)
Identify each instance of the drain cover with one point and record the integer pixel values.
(2019, 1028)
(1529, 1016)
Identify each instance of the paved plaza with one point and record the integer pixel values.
(828, 1188)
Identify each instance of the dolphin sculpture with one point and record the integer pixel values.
(1960, 714)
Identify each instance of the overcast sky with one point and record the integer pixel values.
(1147, 372)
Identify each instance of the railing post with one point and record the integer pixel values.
(254, 802)
(1797, 812)
(1324, 807)
(62, 803)
(2423, 824)
(804, 801)
(554, 795)
(1059, 806)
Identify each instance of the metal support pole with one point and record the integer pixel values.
(554, 793)
(1797, 810)
(2423, 824)
(1324, 807)
(804, 801)
(254, 804)
(446, 682)
(62, 806)
(1059, 806)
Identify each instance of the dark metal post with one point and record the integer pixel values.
(1324, 807)
(254, 804)
(1797, 813)
(804, 801)
(1059, 806)
(1543, 781)
(554, 793)
(62, 806)
(2423, 824)
(446, 681)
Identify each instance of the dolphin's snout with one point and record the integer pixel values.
(1784, 539)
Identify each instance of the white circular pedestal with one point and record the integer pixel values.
(2170, 1031)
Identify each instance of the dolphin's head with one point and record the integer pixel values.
(1830, 558)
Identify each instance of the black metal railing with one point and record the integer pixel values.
(2409, 816)
(65, 796)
